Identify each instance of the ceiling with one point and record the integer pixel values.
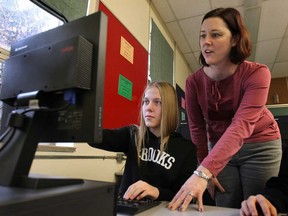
(266, 20)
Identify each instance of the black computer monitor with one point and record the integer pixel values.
(52, 91)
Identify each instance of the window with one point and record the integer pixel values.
(20, 19)
(3, 56)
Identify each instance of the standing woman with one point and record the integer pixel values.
(159, 160)
(238, 140)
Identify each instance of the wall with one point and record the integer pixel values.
(278, 109)
(278, 92)
(135, 16)
(88, 163)
(133, 12)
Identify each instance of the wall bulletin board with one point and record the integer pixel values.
(126, 74)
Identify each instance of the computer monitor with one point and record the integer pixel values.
(52, 91)
(282, 121)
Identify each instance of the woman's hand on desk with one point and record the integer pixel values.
(141, 189)
(194, 187)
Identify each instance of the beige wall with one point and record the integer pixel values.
(93, 169)
(181, 68)
(135, 16)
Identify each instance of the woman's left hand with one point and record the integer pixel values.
(141, 189)
(213, 182)
(194, 187)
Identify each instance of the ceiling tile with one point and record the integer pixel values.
(252, 20)
(252, 3)
(226, 3)
(270, 66)
(187, 8)
(283, 54)
(253, 53)
(266, 51)
(191, 29)
(280, 69)
(164, 10)
(177, 34)
(286, 33)
(267, 21)
(273, 25)
(196, 55)
(192, 61)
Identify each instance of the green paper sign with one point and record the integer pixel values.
(125, 87)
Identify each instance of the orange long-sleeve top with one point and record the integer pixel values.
(229, 113)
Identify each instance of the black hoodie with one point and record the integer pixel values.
(167, 171)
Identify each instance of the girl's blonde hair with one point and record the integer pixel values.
(169, 119)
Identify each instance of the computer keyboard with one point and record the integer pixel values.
(132, 207)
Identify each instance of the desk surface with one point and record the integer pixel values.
(88, 198)
(161, 210)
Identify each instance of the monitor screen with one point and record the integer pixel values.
(55, 79)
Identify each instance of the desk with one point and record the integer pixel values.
(89, 198)
(161, 210)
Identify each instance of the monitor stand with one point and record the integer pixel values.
(18, 148)
(49, 196)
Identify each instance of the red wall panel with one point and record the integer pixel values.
(118, 110)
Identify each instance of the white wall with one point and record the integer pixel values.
(93, 169)
(135, 15)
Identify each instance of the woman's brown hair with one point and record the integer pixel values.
(239, 31)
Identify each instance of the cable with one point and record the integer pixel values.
(46, 109)
(5, 133)
(3, 144)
